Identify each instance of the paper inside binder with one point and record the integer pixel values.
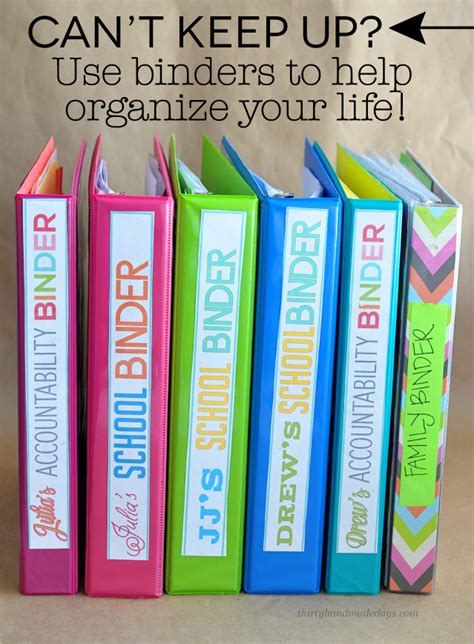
(311, 187)
(190, 182)
(49, 181)
(154, 183)
(397, 177)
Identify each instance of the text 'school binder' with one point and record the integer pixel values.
(130, 260)
(46, 221)
(211, 367)
(297, 295)
(365, 356)
(432, 227)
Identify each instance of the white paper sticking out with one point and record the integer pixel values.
(102, 180)
(154, 184)
(267, 189)
(312, 188)
(396, 177)
(192, 183)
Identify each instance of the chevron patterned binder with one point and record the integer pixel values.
(432, 280)
(430, 261)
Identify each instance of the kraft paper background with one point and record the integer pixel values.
(438, 125)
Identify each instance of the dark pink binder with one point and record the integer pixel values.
(47, 379)
(130, 262)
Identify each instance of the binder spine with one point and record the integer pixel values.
(364, 391)
(433, 264)
(47, 401)
(291, 407)
(129, 308)
(213, 323)
(163, 370)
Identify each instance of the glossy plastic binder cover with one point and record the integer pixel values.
(426, 327)
(365, 360)
(297, 295)
(212, 348)
(129, 317)
(47, 382)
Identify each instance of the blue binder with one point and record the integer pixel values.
(297, 292)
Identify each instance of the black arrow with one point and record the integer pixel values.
(412, 28)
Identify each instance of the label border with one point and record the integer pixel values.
(150, 337)
(63, 201)
(191, 397)
(324, 211)
(346, 379)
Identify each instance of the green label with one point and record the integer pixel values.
(421, 420)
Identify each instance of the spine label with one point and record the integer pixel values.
(421, 420)
(45, 244)
(129, 394)
(366, 381)
(295, 379)
(222, 237)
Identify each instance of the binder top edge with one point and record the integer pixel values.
(438, 188)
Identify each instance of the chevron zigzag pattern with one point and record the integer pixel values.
(432, 275)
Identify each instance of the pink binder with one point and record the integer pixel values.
(46, 223)
(130, 260)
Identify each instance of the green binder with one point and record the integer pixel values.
(210, 382)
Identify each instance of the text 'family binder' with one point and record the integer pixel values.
(432, 237)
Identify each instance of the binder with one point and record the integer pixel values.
(130, 262)
(46, 225)
(432, 227)
(211, 364)
(297, 296)
(365, 359)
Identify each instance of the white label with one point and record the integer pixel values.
(129, 395)
(296, 369)
(46, 371)
(221, 250)
(365, 381)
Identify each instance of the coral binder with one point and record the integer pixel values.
(432, 237)
(212, 344)
(46, 222)
(297, 296)
(365, 357)
(129, 311)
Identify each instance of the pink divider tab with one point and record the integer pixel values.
(159, 154)
(37, 168)
(94, 165)
(78, 168)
